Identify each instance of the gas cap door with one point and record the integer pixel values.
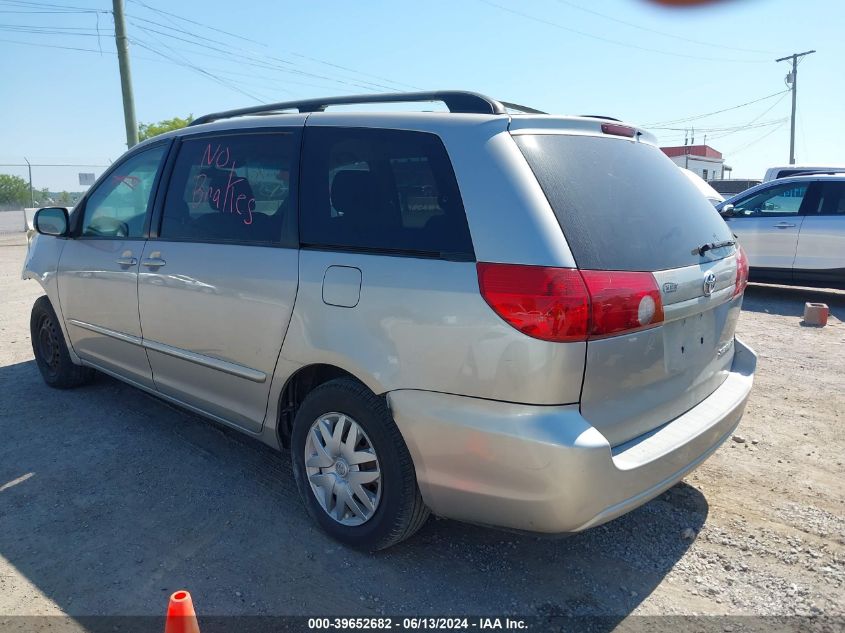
(342, 286)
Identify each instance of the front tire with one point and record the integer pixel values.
(353, 469)
(50, 349)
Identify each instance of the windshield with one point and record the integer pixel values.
(623, 205)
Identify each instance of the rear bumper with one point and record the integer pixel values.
(544, 468)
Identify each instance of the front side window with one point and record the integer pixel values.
(385, 190)
(118, 206)
(778, 200)
(231, 188)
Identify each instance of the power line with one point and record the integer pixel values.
(663, 33)
(729, 128)
(672, 140)
(46, 31)
(608, 40)
(59, 8)
(707, 114)
(48, 12)
(263, 45)
(67, 48)
(757, 140)
(728, 131)
(200, 71)
(260, 63)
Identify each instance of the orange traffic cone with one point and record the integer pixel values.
(181, 617)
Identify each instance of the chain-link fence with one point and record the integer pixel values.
(25, 187)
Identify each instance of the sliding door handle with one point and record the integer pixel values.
(154, 260)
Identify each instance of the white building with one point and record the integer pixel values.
(702, 160)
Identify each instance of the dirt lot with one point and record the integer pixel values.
(110, 500)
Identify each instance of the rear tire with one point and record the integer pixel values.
(50, 349)
(388, 508)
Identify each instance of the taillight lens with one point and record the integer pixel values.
(547, 303)
(622, 301)
(741, 271)
(567, 305)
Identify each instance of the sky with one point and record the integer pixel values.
(631, 59)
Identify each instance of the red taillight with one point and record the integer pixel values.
(622, 301)
(618, 130)
(547, 303)
(741, 271)
(566, 305)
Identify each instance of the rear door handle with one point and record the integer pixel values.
(784, 225)
(154, 260)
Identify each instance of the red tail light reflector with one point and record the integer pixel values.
(568, 305)
(622, 301)
(546, 303)
(741, 271)
(618, 130)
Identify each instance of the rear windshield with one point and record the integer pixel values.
(623, 205)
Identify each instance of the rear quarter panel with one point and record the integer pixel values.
(422, 324)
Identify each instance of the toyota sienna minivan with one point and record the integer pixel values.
(489, 313)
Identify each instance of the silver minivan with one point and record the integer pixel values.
(490, 313)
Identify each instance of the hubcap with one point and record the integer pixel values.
(342, 469)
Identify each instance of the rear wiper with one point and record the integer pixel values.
(712, 246)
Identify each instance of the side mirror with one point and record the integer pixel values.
(51, 221)
(727, 211)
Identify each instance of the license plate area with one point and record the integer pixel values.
(689, 342)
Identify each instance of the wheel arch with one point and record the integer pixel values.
(297, 387)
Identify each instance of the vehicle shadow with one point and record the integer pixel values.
(110, 500)
(790, 300)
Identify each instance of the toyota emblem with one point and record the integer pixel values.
(709, 283)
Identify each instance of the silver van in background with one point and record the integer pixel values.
(493, 314)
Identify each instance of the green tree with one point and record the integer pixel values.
(65, 198)
(41, 196)
(148, 130)
(13, 190)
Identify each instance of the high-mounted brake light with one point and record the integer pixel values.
(618, 130)
(568, 305)
(741, 271)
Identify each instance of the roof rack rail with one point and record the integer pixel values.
(455, 100)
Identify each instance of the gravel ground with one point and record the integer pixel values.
(110, 500)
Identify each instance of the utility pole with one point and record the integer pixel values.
(31, 195)
(125, 75)
(794, 57)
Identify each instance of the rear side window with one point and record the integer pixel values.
(623, 205)
(833, 199)
(382, 190)
(232, 188)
